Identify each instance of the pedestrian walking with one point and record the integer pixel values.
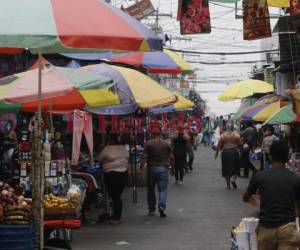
(192, 138)
(158, 157)
(180, 146)
(269, 138)
(279, 195)
(229, 144)
(114, 159)
(249, 137)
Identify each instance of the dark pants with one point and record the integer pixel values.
(246, 164)
(180, 163)
(189, 165)
(115, 183)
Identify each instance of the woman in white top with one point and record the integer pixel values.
(114, 159)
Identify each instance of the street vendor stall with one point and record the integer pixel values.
(41, 25)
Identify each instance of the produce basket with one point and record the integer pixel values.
(17, 237)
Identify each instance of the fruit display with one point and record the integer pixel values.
(19, 215)
(13, 208)
(8, 196)
(52, 201)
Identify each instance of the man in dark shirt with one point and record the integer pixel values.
(278, 195)
(158, 156)
(249, 136)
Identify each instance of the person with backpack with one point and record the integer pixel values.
(180, 146)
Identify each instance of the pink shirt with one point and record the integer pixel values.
(114, 158)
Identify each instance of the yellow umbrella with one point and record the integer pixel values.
(268, 111)
(183, 64)
(183, 103)
(244, 89)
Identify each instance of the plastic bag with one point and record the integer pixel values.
(74, 195)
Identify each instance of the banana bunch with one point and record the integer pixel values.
(52, 201)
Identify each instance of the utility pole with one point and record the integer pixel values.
(156, 27)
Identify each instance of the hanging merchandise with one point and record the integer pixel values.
(194, 17)
(82, 124)
(256, 19)
(294, 7)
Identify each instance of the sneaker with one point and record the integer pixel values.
(176, 182)
(180, 182)
(162, 213)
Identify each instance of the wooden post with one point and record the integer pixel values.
(38, 167)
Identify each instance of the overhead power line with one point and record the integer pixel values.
(220, 63)
(224, 53)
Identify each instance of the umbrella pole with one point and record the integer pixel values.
(135, 164)
(38, 173)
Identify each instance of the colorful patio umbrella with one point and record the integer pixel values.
(56, 25)
(262, 112)
(245, 104)
(166, 62)
(181, 104)
(283, 115)
(135, 90)
(63, 89)
(244, 89)
(269, 98)
(11, 51)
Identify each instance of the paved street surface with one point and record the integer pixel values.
(200, 215)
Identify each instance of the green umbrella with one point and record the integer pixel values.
(283, 115)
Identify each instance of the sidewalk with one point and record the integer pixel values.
(200, 215)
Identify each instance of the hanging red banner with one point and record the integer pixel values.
(256, 19)
(194, 17)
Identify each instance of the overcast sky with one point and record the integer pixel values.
(226, 36)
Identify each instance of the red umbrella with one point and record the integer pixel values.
(58, 24)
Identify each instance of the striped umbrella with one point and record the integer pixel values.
(57, 25)
(283, 115)
(135, 90)
(166, 62)
(63, 89)
(180, 105)
(262, 112)
(245, 89)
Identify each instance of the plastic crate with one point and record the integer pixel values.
(17, 237)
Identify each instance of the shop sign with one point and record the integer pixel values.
(140, 9)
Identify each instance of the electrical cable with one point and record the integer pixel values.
(224, 53)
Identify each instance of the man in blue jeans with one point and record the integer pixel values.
(159, 158)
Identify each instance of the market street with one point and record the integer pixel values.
(200, 215)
